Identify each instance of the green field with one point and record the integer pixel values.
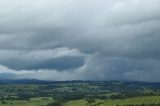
(45, 100)
(137, 100)
(32, 102)
(80, 93)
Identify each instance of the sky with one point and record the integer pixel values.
(80, 40)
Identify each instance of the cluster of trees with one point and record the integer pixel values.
(67, 96)
(5, 102)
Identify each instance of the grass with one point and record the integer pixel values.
(76, 103)
(31, 102)
(137, 100)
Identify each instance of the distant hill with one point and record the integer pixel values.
(23, 81)
(111, 84)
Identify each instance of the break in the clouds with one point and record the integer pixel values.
(80, 39)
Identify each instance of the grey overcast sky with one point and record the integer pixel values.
(80, 39)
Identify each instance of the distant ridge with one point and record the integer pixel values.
(23, 81)
(116, 83)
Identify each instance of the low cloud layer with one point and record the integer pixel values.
(80, 40)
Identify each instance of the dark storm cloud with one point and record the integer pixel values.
(59, 63)
(103, 39)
